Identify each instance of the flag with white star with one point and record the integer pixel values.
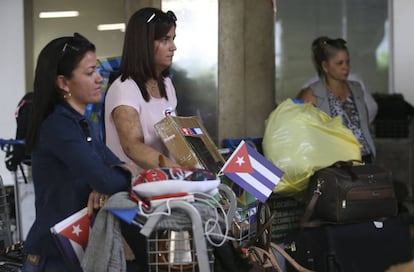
(72, 236)
(252, 171)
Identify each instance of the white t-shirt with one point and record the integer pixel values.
(127, 93)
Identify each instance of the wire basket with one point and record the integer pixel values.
(244, 225)
(181, 234)
(170, 250)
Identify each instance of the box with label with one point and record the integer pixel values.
(189, 143)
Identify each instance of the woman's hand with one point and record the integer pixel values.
(96, 200)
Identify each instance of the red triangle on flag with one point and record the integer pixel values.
(78, 231)
(239, 162)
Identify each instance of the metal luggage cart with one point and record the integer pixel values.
(5, 224)
(183, 249)
(21, 175)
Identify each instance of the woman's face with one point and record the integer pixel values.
(85, 84)
(337, 67)
(164, 51)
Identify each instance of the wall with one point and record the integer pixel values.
(12, 75)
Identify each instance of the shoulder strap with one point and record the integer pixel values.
(311, 207)
(292, 261)
(264, 258)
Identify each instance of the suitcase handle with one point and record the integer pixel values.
(347, 166)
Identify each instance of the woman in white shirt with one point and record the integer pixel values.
(143, 94)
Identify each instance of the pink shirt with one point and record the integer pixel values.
(127, 93)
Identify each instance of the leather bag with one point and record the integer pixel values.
(348, 193)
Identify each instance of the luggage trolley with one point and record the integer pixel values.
(182, 249)
(7, 146)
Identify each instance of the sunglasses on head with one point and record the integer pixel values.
(335, 42)
(161, 17)
(75, 43)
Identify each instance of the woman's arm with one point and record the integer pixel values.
(87, 163)
(131, 137)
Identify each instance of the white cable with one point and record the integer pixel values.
(214, 223)
(210, 224)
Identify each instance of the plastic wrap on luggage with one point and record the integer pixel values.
(300, 139)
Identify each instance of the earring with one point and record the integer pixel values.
(67, 95)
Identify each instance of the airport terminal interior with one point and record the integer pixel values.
(236, 61)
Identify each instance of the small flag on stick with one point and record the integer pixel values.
(71, 236)
(252, 171)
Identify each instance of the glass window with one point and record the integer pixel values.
(194, 69)
(363, 24)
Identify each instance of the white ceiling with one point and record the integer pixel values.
(92, 13)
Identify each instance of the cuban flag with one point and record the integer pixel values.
(192, 131)
(71, 236)
(252, 171)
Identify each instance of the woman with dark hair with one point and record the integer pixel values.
(334, 94)
(71, 168)
(143, 94)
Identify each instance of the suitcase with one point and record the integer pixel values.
(360, 247)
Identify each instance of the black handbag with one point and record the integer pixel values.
(348, 193)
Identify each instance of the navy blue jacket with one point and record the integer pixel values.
(66, 167)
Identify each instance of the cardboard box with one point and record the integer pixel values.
(189, 143)
(191, 146)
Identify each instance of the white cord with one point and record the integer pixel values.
(210, 225)
(214, 223)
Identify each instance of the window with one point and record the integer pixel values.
(363, 24)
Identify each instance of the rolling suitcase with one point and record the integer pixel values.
(367, 246)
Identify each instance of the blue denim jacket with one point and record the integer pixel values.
(66, 167)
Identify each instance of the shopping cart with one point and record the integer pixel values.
(185, 247)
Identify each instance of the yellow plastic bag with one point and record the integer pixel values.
(301, 139)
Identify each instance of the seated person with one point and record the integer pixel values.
(334, 94)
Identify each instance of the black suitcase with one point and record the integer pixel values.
(361, 247)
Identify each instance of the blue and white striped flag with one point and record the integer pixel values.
(252, 171)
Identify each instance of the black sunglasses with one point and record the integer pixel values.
(76, 43)
(161, 17)
(335, 42)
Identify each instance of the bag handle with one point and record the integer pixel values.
(268, 246)
(264, 258)
(347, 166)
(292, 261)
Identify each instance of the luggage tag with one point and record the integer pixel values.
(378, 224)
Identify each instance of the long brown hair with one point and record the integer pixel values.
(144, 27)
